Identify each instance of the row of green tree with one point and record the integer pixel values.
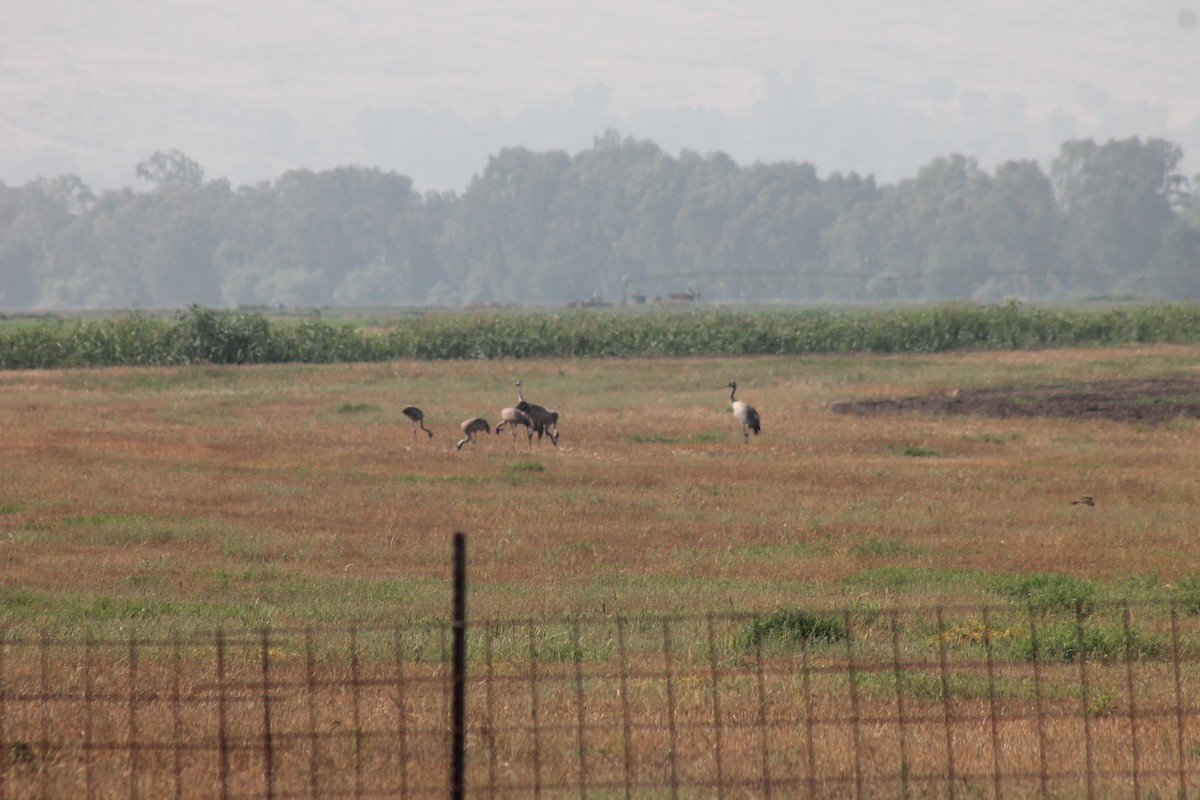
(620, 220)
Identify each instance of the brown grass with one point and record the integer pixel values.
(182, 718)
(236, 488)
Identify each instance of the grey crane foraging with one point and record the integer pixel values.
(745, 414)
(471, 427)
(513, 418)
(543, 418)
(418, 418)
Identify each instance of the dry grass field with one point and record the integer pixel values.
(177, 501)
(206, 496)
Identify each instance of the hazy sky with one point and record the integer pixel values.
(430, 90)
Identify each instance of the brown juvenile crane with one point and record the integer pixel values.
(745, 414)
(542, 417)
(471, 427)
(418, 418)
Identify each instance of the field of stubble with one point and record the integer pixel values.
(205, 496)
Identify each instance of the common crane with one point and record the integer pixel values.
(418, 418)
(745, 414)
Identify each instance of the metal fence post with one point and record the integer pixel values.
(458, 759)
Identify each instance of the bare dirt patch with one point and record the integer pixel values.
(1146, 400)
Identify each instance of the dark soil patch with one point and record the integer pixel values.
(1151, 400)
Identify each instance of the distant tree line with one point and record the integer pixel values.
(622, 219)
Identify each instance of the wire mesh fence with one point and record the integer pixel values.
(1096, 700)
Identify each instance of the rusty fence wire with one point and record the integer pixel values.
(1091, 701)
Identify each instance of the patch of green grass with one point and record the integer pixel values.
(249, 547)
(1068, 641)
(521, 467)
(1028, 400)
(82, 520)
(549, 642)
(894, 547)
(251, 596)
(992, 438)
(146, 581)
(703, 438)
(9, 508)
(917, 451)
(1149, 585)
(417, 477)
(785, 628)
(1102, 703)
(79, 612)
(1048, 591)
(650, 438)
(18, 601)
(21, 753)
(785, 549)
(557, 647)
(356, 408)
(1187, 590)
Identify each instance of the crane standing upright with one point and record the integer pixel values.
(745, 414)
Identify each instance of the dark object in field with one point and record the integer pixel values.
(1145, 400)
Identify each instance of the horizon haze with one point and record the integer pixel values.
(250, 91)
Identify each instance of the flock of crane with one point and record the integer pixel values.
(544, 421)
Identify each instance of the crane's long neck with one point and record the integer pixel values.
(520, 394)
(732, 392)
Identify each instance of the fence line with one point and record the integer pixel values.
(950, 702)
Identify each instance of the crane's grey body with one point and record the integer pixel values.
(745, 414)
(418, 418)
(471, 427)
(513, 418)
(543, 418)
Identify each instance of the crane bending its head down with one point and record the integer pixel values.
(745, 414)
(471, 427)
(418, 418)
